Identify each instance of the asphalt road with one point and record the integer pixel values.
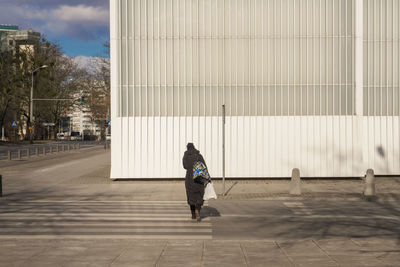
(14, 148)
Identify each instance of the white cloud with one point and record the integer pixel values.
(91, 64)
(81, 13)
(79, 21)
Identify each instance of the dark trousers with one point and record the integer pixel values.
(194, 207)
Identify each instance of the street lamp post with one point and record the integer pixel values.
(31, 103)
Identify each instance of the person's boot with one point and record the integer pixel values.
(192, 210)
(193, 215)
(198, 214)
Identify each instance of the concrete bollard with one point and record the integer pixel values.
(9, 155)
(44, 150)
(58, 148)
(369, 183)
(28, 153)
(37, 151)
(19, 154)
(79, 146)
(1, 185)
(295, 188)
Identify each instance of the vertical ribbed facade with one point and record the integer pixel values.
(285, 69)
(381, 84)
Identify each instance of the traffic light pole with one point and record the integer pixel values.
(54, 99)
(30, 126)
(42, 99)
(31, 120)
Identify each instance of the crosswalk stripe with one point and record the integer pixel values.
(115, 236)
(108, 230)
(99, 215)
(79, 202)
(182, 219)
(91, 224)
(93, 219)
(298, 208)
(108, 211)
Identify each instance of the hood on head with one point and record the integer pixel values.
(190, 146)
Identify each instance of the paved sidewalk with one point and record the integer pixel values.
(387, 188)
(173, 253)
(88, 177)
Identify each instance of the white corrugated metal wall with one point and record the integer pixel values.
(285, 69)
(381, 85)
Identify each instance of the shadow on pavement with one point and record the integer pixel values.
(331, 219)
(208, 211)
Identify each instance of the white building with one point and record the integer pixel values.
(312, 84)
(81, 121)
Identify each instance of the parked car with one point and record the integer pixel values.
(76, 136)
(60, 136)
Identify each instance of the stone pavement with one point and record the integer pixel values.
(172, 253)
(239, 189)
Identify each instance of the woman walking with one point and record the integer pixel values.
(194, 191)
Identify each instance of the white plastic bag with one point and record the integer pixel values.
(209, 192)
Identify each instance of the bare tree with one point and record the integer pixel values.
(98, 91)
(61, 80)
(11, 83)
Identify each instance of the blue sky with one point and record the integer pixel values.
(80, 26)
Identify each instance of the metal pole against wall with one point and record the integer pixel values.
(223, 150)
(359, 79)
(359, 54)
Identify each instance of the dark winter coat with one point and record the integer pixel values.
(194, 191)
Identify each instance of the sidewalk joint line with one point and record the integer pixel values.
(202, 254)
(325, 252)
(119, 255)
(161, 254)
(284, 252)
(244, 254)
(355, 242)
